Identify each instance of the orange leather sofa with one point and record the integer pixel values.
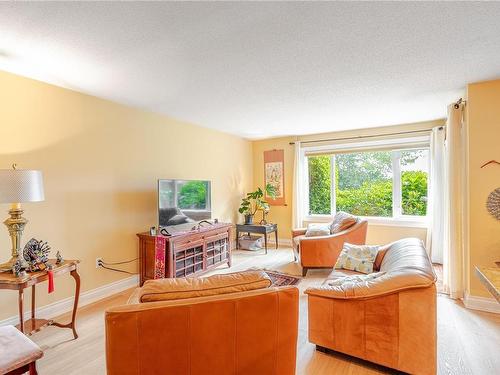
(323, 251)
(246, 332)
(389, 320)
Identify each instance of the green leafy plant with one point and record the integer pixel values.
(255, 201)
(365, 185)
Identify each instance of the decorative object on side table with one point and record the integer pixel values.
(36, 254)
(254, 202)
(18, 186)
(18, 270)
(59, 258)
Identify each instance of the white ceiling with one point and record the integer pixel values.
(260, 69)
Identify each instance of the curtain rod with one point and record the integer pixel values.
(368, 136)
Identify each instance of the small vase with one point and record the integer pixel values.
(248, 219)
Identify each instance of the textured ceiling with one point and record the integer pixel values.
(260, 69)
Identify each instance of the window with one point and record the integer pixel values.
(389, 184)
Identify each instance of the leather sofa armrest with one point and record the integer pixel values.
(298, 232)
(393, 282)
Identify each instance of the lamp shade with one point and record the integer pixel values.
(21, 185)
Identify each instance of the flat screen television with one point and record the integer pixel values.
(183, 202)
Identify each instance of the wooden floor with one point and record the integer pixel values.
(468, 341)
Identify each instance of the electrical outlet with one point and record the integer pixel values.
(98, 262)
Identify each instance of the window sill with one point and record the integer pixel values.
(407, 222)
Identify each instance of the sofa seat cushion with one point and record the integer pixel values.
(405, 265)
(16, 350)
(340, 273)
(353, 279)
(193, 287)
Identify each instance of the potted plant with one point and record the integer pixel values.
(254, 202)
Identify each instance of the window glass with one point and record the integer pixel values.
(320, 183)
(364, 183)
(414, 181)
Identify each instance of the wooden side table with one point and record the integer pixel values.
(259, 229)
(32, 325)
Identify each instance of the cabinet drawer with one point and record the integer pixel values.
(216, 237)
(187, 245)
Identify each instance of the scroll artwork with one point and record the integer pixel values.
(274, 174)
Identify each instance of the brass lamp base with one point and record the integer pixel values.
(7, 266)
(15, 224)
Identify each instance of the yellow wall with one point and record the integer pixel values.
(282, 215)
(100, 162)
(483, 120)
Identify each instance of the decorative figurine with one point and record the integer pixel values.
(265, 211)
(16, 268)
(59, 258)
(36, 253)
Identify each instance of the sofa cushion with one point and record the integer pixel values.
(357, 257)
(16, 350)
(405, 265)
(352, 278)
(193, 287)
(342, 221)
(315, 229)
(341, 273)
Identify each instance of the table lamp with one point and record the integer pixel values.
(18, 186)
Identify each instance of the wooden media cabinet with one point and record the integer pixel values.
(187, 253)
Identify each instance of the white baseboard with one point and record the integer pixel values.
(482, 304)
(282, 241)
(60, 307)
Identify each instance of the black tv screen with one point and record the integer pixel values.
(183, 201)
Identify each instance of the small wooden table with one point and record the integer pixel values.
(32, 325)
(259, 229)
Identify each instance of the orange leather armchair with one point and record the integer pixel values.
(323, 251)
(250, 332)
(389, 319)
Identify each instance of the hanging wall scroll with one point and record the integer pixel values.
(274, 174)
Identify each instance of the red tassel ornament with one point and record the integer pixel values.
(51, 280)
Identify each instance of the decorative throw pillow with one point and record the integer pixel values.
(357, 257)
(317, 230)
(342, 221)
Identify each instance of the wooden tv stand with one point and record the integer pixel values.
(188, 253)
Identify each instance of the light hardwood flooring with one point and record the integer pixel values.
(468, 341)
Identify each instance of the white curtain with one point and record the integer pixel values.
(436, 231)
(453, 256)
(297, 204)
